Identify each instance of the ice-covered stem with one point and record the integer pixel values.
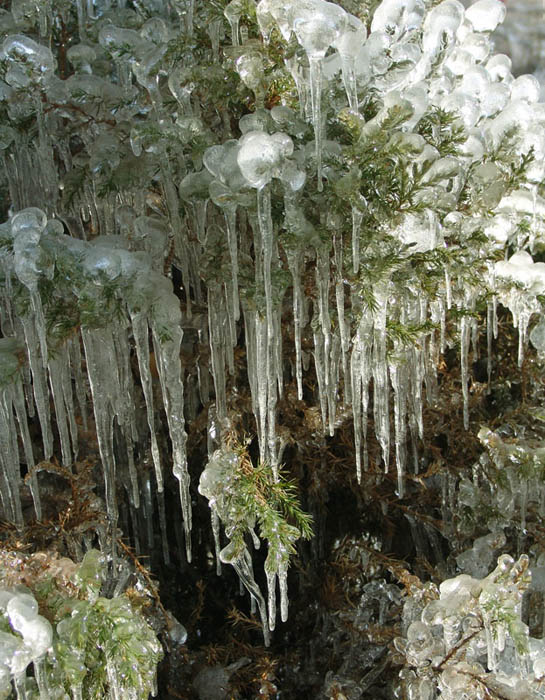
(245, 496)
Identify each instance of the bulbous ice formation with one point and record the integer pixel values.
(27, 60)
(261, 156)
(317, 24)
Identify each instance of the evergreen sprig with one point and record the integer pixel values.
(250, 494)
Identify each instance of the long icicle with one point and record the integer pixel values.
(316, 99)
(380, 374)
(170, 375)
(18, 399)
(39, 384)
(104, 382)
(141, 342)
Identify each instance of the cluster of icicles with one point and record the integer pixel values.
(39, 246)
(413, 59)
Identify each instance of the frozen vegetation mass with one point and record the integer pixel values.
(339, 192)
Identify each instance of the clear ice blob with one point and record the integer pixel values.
(485, 15)
(260, 156)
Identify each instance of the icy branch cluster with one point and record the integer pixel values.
(96, 646)
(467, 639)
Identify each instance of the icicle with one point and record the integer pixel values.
(348, 45)
(243, 566)
(316, 101)
(231, 329)
(18, 399)
(495, 316)
(272, 397)
(266, 233)
(464, 351)
(104, 381)
(523, 321)
(232, 13)
(135, 525)
(82, 18)
(523, 501)
(250, 339)
(262, 382)
(417, 378)
(9, 464)
(48, 170)
(398, 378)
(55, 379)
(217, 348)
(148, 512)
(277, 351)
(294, 262)
(283, 583)
(39, 383)
(442, 326)
(431, 351)
(271, 598)
(349, 81)
(124, 402)
(317, 27)
(299, 73)
(76, 364)
(448, 288)
(203, 371)
(322, 283)
(357, 218)
(141, 342)
(416, 373)
(168, 354)
(173, 203)
(39, 320)
(334, 378)
(214, 29)
(163, 526)
(40, 674)
(489, 334)
(490, 645)
(343, 328)
(133, 474)
(68, 398)
(360, 372)
(319, 366)
(216, 532)
(380, 374)
(19, 682)
(231, 219)
(474, 327)
(355, 380)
